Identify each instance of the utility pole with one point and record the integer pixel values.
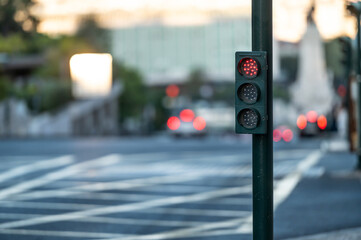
(262, 37)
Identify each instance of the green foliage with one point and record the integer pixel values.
(90, 32)
(58, 53)
(155, 97)
(5, 88)
(134, 96)
(46, 96)
(335, 56)
(290, 65)
(281, 92)
(16, 17)
(195, 80)
(13, 44)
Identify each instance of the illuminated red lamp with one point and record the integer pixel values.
(172, 91)
(186, 115)
(287, 135)
(312, 116)
(302, 122)
(322, 122)
(277, 135)
(173, 123)
(248, 67)
(199, 123)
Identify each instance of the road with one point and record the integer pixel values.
(146, 188)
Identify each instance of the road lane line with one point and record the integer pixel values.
(60, 174)
(129, 207)
(37, 166)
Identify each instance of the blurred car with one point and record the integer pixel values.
(185, 123)
(311, 124)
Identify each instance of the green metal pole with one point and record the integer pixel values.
(359, 86)
(263, 143)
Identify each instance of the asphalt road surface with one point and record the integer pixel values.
(141, 188)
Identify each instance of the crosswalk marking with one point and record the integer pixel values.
(56, 175)
(35, 167)
(183, 177)
(128, 207)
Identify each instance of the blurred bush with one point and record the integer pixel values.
(5, 88)
(42, 96)
(133, 98)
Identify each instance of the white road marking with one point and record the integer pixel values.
(197, 212)
(69, 234)
(47, 205)
(128, 207)
(136, 183)
(285, 186)
(122, 196)
(186, 232)
(109, 220)
(60, 174)
(37, 166)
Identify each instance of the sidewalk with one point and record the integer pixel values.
(326, 203)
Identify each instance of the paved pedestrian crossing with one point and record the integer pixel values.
(160, 195)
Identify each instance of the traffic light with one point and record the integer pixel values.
(251, 92)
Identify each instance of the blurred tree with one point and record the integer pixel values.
(134, 96)
(90, 31)
(16, 17)
(334, 55)
(5, 88)
(192, 87)
(58, 53)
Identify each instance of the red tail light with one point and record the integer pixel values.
(287, 135)
(199, 123)
(302, 122)
(277, 135)
(173, 123)
(312, 116)
(322, 122)
(186, 115)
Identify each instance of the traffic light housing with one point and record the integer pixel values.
(251, 92)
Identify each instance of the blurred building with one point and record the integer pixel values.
(169, 53)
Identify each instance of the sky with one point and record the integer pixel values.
(61, 16)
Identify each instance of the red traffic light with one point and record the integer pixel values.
(172, 91)
(248, 67)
